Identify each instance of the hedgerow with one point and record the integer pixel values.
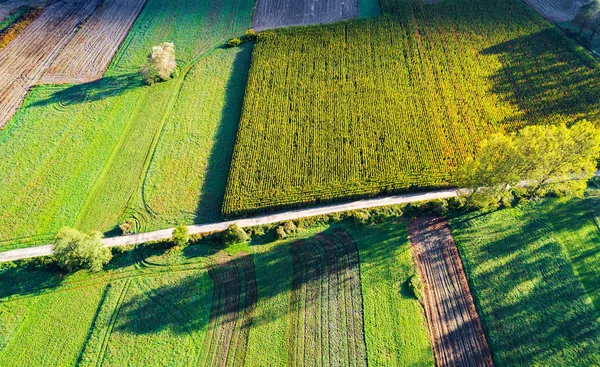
(397, 103)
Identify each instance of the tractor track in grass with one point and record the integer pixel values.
(454, 325)
(231, 312)
(326, 318)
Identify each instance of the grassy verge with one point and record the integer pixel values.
(534, 273)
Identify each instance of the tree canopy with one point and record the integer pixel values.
(536, 161)
(75, 250)
(589, 18)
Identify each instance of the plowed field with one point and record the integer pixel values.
(454, 325)
(284, 13)
(87, 55)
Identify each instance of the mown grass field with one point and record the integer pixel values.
(93, 155)
(156, 308)
(397, 103)
(535, 275)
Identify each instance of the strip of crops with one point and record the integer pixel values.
(534, 274)
(398, 103)
(26, 15)
(326, 326)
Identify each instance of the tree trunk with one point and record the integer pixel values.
(592, 36)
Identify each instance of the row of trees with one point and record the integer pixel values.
(536, 161)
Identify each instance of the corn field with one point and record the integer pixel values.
(397, 103)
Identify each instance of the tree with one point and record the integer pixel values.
(589, 18)
(251, 34)
(161, 63)
(234, 42)
(181, 236)
(234, 234)
(75, 250)
(538, 160)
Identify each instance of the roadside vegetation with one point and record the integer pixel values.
(399, 102)
(204, 303)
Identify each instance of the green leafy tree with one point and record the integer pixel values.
(75, 250)
(234, 234)
(538, 160)
(181, 236)
(234, 42)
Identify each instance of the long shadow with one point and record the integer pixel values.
(545, 77)
(530, 299)
(94, 91)
(217, 170)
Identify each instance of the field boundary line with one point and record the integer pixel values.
(164, 234)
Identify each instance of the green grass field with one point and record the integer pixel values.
(535, 274)
(156, 308)
(93, 155)
(396, 103)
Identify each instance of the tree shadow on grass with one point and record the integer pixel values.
(546, 78)
(219, 161)
(533, 307)
(94, 91)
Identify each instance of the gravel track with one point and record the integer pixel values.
(454, 325)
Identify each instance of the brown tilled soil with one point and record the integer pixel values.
(24, 59)
(454, 326)
(326, 320)
(231, 312)
(285, 13)
(87, 55)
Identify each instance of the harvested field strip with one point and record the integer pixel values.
(24, 59)
(9, 33)
(285, 13)
(89, 52)
(231, 312)
(455, 329)
(326, 322)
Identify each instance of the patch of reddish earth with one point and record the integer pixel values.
(285, 13)
(453, 322)
(231, 312)
(326, 320)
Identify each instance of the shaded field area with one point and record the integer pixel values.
(257, 304)
(93, 155)
(397, 103)
(534, 272)
(454, 325)
(285, 13)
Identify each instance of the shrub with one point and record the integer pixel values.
(289, 227)
(234, 234)
(416, 287)
(181, 236)
(75, 250)
(234, 42)
(251, 35)
(280, 233)
(127, 227)
(360, 216)
(161, 63)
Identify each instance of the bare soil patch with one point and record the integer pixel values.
(231, 312)
(326, 323)
(285, 13)
(454, 325)
(556, 10)
(24, 59)
(88, 53)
